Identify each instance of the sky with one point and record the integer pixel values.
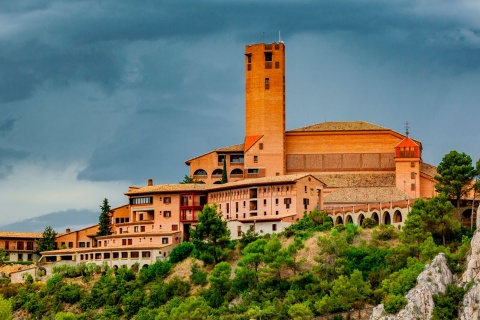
(96, 96)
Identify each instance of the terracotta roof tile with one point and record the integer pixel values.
(364, 195)
(340, 180)
(29, 235)
(428, 169)
(407, 142)
(341, 126)
(173, 188)
(233, 148)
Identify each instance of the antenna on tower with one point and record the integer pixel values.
(406, 128)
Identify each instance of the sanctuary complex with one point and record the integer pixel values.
(353, 170)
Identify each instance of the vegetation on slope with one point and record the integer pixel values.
(310, 269)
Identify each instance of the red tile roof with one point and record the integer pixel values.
(250, 141)
(341, 126)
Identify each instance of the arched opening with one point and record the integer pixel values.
(42, 272)
(236, 173)
(375, 217)
(397, 216)
(217, 173)
(217, 182)
(145, 266)
(339, 220)
(361, 217)
(386, 218)
(349, 219)
(115, 267)
(200, 173)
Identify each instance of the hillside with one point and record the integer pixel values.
(310, 269)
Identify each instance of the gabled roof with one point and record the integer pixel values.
(172, 188)
(428, 169)
(250, 141)
(407, 142)
(341, 126)
(227, 149)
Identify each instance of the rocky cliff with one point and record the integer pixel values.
(433, 280)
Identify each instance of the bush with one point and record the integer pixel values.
(198, 276)
(369, 223)
(69, 293)
(181, 252)
(384, 233)
(447, 305)
(394, 303)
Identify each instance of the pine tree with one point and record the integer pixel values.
(47, 242)
(104, 227)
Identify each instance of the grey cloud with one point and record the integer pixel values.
(6, 125)
(9, 157)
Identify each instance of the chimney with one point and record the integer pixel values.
(68, 230)
(150, 182)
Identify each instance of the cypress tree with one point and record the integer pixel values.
(104, 228)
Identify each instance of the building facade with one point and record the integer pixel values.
(20, 246)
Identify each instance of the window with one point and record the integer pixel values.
(106, 255)
(164, 240)
(255, 159)
(124, 255)
(167, 200)
(253, 171)
(236, 206)
(135, 229)
(412, 164)
(120, 230)
(167, 214)
(142, 228)
(20, 257)
(129, 241)
(276, 201)
(20, 245)
(124, 242)
(228, 207)
(264, 213)
(88, 244)
(264, 202)
(115, 255)
(81, 244)
(236, 158)
(134, 254)
(413, 187)
(276, 213)
(412, 175)
(7, 245)
(306, 202)
(99, 243)
(70, 244)
(141, 200)
(249, 58)
(145, 254)
(63, 243)
(260, 146)
(140, 216)
(29, 257)
(305, 189)
(239, 231)
(274, 227)
(277, 64)
(29, 245)
(174, 227)
(268, 56)
(287, 202)
(267, 83)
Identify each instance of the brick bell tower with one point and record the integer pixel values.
(264, 110)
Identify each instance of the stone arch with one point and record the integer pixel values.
(386, 218)
(467, 217)
(115, 267)
(200, 172)
(145, 266)
(360, 219)
(397, 216)
(339, 220)
(375, 217)
(349, 219)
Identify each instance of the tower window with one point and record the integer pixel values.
(413, 187)
(277, 65)
(255, 159)
(267, 83)
(260, 146)
(268, 56)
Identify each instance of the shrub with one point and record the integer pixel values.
(369, 223)
(198, 276)
(69, 293)
(384, 232)
(181, 252)
(394, 303)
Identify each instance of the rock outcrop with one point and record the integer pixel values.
(433, 280)
(471, 280)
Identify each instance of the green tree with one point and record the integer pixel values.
(211, 236)
(105, 226)
(253, 256)
(5, 309)
(181, 252)
(187, 179)
(455, 176)
(47, 241)
(300, 311)
(224, 171)
(220, 284)
(3, 257)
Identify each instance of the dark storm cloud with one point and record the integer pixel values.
(6, 125)
(171, 71)
(8, 157)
